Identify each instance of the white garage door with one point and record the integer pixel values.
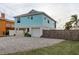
(36, 32)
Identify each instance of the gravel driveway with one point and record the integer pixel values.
(16, 44)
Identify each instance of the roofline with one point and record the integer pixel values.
(7, 20)
(49, 17)
(37, 14)
(26, 15)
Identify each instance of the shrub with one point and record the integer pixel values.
(27, 34)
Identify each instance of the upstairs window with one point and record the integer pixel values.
(18, 20)
(31, 17)
(48, 21)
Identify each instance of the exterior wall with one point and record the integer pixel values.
(51, 23)
(27, 22)
(3, 26)
(10, 25)
(37, 21)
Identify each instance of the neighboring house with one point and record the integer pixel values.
(33, 22)
(5, 25)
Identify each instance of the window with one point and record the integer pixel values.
(31, 17)
(18, 20)
(48, 21)
(45, 18)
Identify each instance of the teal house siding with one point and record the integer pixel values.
(37, 21)
(48, 22)
(26, 21)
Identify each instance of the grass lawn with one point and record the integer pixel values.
(63, 48)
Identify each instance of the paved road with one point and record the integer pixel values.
(15, 44)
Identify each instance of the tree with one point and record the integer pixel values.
(74, 19)
(68, 25)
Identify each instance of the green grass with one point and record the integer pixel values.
(63, 48)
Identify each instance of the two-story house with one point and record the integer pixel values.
(34, 22)
(6, 26)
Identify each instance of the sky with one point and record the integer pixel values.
(61, 12)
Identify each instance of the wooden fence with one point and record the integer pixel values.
(61, 34)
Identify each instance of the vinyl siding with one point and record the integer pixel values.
(28, 22)
(50, 24)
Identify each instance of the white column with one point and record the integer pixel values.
(18, 29)
(41, 31)
(15, 30)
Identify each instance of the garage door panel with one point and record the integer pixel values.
(36, 32)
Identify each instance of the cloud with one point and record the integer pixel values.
(61, 12)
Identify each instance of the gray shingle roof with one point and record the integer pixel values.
(34, 12)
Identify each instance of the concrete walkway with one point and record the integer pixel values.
(16, 44)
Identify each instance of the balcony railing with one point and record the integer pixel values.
(9, 25)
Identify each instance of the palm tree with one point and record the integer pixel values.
(68, 25)
(74, 19)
